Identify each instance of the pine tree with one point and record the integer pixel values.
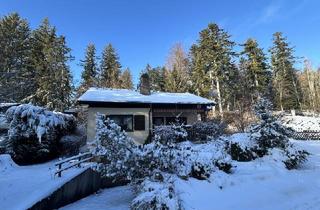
(157, 77)
(254, 63)
(16, 73)
(126, 79)
(89, 74)
(286, 85)
(110, 68)
(212, 62)
(50, 56)
(177, 74)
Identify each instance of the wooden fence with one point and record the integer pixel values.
(73, 162)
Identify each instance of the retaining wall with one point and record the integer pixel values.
(86, 183)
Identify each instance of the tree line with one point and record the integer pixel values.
(34, 68)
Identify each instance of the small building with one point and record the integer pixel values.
(138, 112)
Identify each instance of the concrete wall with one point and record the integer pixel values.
(79, 187)
(86, 183)
(138, 136)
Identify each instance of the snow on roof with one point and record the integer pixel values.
(131, 96)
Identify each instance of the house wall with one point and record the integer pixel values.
(138, 136)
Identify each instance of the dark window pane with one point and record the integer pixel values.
(124, 121)
(157, 121)
(176, 120)
(170, 120)
(139, 122)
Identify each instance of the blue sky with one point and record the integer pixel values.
(143, 31)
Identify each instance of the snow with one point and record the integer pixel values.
(26, 118)
(23, 186)
(5, 105)
(302, 123)
(124, 95)
(118, 198)
(260, 184)
(242, 139)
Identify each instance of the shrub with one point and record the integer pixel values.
(295, 157)
(168, 134)
(34, 133)
(245, 154)
(270, 133)
(114, 148)
(157, 192)
(70, 145)
(223, 166)
(200, 170)
(203, 131)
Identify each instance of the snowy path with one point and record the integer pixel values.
(259, 185)
(23, 186)
(118, 198)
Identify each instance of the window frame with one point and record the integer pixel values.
(123, 116)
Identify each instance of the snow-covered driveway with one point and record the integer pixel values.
(259, 184)
(23, 186)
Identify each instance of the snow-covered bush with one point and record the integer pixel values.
(167, 134)
(114, 148)
(70, 145)
(34, 132)
(294, 157)
(270, 133)
(245, 153)
(157, 192)
(203, 131)
(200, 170)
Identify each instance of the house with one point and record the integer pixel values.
(138, 112)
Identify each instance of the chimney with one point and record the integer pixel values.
(145, 84)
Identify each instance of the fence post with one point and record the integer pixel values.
(59, 168)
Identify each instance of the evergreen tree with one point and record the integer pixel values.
(199, 74)
(287, 88)
(126, 79)
(16, 73)
(254, 63)
(177, 74)
(212, 63)
(157, 77)
(50, 56)
(89, 74)
(110, 68)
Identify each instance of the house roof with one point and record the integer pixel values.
(131, 96)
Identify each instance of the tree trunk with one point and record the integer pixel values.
(219, 96)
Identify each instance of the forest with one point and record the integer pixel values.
(34, 67)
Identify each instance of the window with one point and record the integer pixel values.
(157, 121)
(176, 120)
(139, 122)
(124, 121)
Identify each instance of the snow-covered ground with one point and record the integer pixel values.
(118, 198)
(302, 123)
(260, 184)
(23, 186)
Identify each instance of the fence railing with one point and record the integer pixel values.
(72, 162)
(306, 135)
